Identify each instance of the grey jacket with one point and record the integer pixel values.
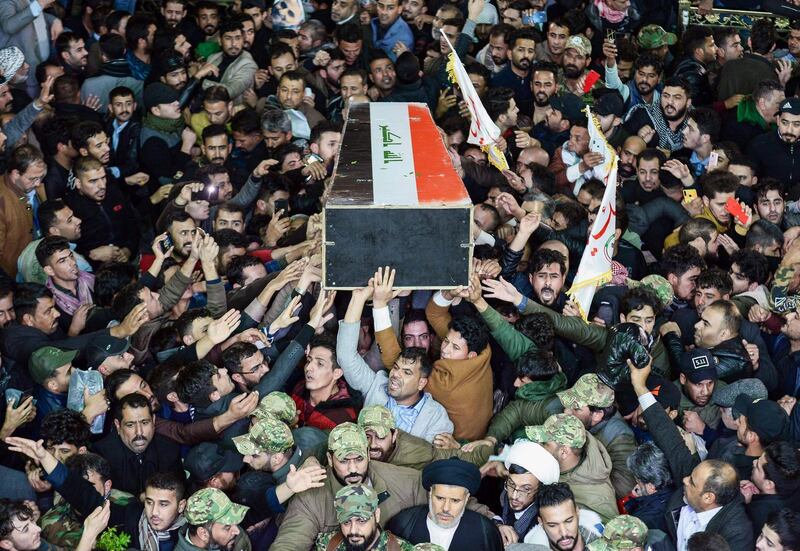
(101, 85)
(432, 418)
(17, 29)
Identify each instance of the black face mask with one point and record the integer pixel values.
(773, 262)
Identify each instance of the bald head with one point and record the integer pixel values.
(533, 155)
(635, 144)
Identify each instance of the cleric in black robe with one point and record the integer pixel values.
(446, 520)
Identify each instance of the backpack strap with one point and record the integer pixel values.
(335, 541)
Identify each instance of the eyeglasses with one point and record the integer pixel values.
(256, 368)
(525, 491)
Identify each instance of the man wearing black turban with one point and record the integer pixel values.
(446, 520)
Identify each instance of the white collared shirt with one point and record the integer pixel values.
(691, 522)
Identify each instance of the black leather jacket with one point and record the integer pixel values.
(696, 74)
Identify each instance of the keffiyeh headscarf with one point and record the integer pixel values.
(11, 59)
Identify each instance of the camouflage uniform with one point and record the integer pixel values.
(583, 46)
(428, 547)
(590, 479)
(269, 434)
(212, 505)
(656, 283)
(359, 501)
(62, 526)
(409, 450)
(278, 404)
(621, 533)
(653, 36)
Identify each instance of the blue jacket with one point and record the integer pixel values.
(398, 32)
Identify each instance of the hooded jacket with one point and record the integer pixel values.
(590, 480)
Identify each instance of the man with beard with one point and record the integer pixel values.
(343, 11)
(106, 233)
(236, 66)
(645, 86)
(206, 22)
(445, 520)
(174, 12)
(776, 151)
(573, 163)
(661, 125)
(552, 49)
(562, 525)
(699, 136)
(544, 84)
(559, 113)
(358, 516)
(89, 139)
(698, 43)
(124, 133)
(610, 109)
(628, 153)
(313, 511)
(494, 56)
(72, 55)
(646, 186)
(517, 74)
(389, 444)
(576, 59)
(755, 115)
(212, 523)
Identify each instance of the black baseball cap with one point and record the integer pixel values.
(610, 103)
(569, 105)
(102, 347)
(764, 417)
(790, 105)
(699, 365)
(208, 459)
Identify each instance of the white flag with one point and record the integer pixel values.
(482, 131)
(595, 267)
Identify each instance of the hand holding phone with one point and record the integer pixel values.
(689, 195)
(736, 210)
(591, 78)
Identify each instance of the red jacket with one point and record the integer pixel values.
(341, 407)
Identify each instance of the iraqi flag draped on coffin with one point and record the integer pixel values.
(482, 130)
(595, 267)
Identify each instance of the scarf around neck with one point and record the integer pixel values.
(149, 538)
(610, 15)
(165, 126)
(68, 303)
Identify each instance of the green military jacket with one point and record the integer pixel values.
(399, 544)
(413, 452)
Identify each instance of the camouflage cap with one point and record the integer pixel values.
(357, 500)
(377, 418)
(588, 390)
(212, 505)
(269, 435)
(654, 36)
(279, 404)
(580, 43)
(428, 547)
(347, 438)
(621, 533)
(562, 428)
(657, 284)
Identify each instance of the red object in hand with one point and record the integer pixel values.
(736, 210)
(591, 78)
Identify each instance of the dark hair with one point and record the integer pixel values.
(649, 60)
(648, 464)
(84, 463)
(246, 121)
(22, 157)
(714, 278)
(764, 233)
(63, 41)
(572, 211)
(232, 356)
(786, 523)
(639, 297)
(678, 82)
(126, 299)
(497, 101)
(697, 227)
(323, 127)
(765, 88)
(416, 354)
(329, 343)
(551, 495)
(471, 330)
(293, 76)
(183, 325)
(8, 511)
(537, 365)
(731, 318)
(475, 68)
(707, 541)
(280, 49)
(7, 287)
(544, 257)
(48, 211)
(84, 130)
(718, 181)
(54, 131)
(112, 46)
(49, 246)
(162, 378)
(752, 265)
(767, 184)
(538, 327)
(133, 400)
(214, 130)
(525, 33)
(114, 18)
(237, 266)
(694, 37)
(356, 71)
(719, 482)
(227, 237)
(110, 278)
(782, 467)
(176, 216)
(138, 29)
(26, 298)
(230, 25)
(762, 36)
(116, 380)
(680, 259)
(194, 385)
(120, 92)
(594, 187)
(64, 426)
(167, 481)
(707, 121)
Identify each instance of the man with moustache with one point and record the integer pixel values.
(494, 56)
(359, 529)
(445, 520)
(645, 86)
(776, 152)
(517, 74)
(577, 56)
(563, 526)
(544, 84)
(661, 125)
(313, 511)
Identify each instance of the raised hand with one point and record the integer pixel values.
(502, 290)
(287, 317)
(318, 316)
(384, 283)
(300, 480)
(221, 329)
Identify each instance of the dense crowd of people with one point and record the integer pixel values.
(177, 377)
